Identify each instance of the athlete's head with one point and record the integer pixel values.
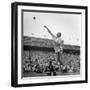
(58, 34)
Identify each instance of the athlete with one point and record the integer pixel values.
(58, 45)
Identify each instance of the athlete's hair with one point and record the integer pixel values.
(58, 34)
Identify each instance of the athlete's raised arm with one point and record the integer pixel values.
(49, 31)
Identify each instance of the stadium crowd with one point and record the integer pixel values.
(46, 62)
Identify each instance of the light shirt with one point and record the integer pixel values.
(58, 46)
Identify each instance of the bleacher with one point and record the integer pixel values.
(41, 50)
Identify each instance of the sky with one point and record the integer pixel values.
(68, 24)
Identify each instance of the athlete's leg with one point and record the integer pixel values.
(59, 57)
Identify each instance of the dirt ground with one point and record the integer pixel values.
(33, 74)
